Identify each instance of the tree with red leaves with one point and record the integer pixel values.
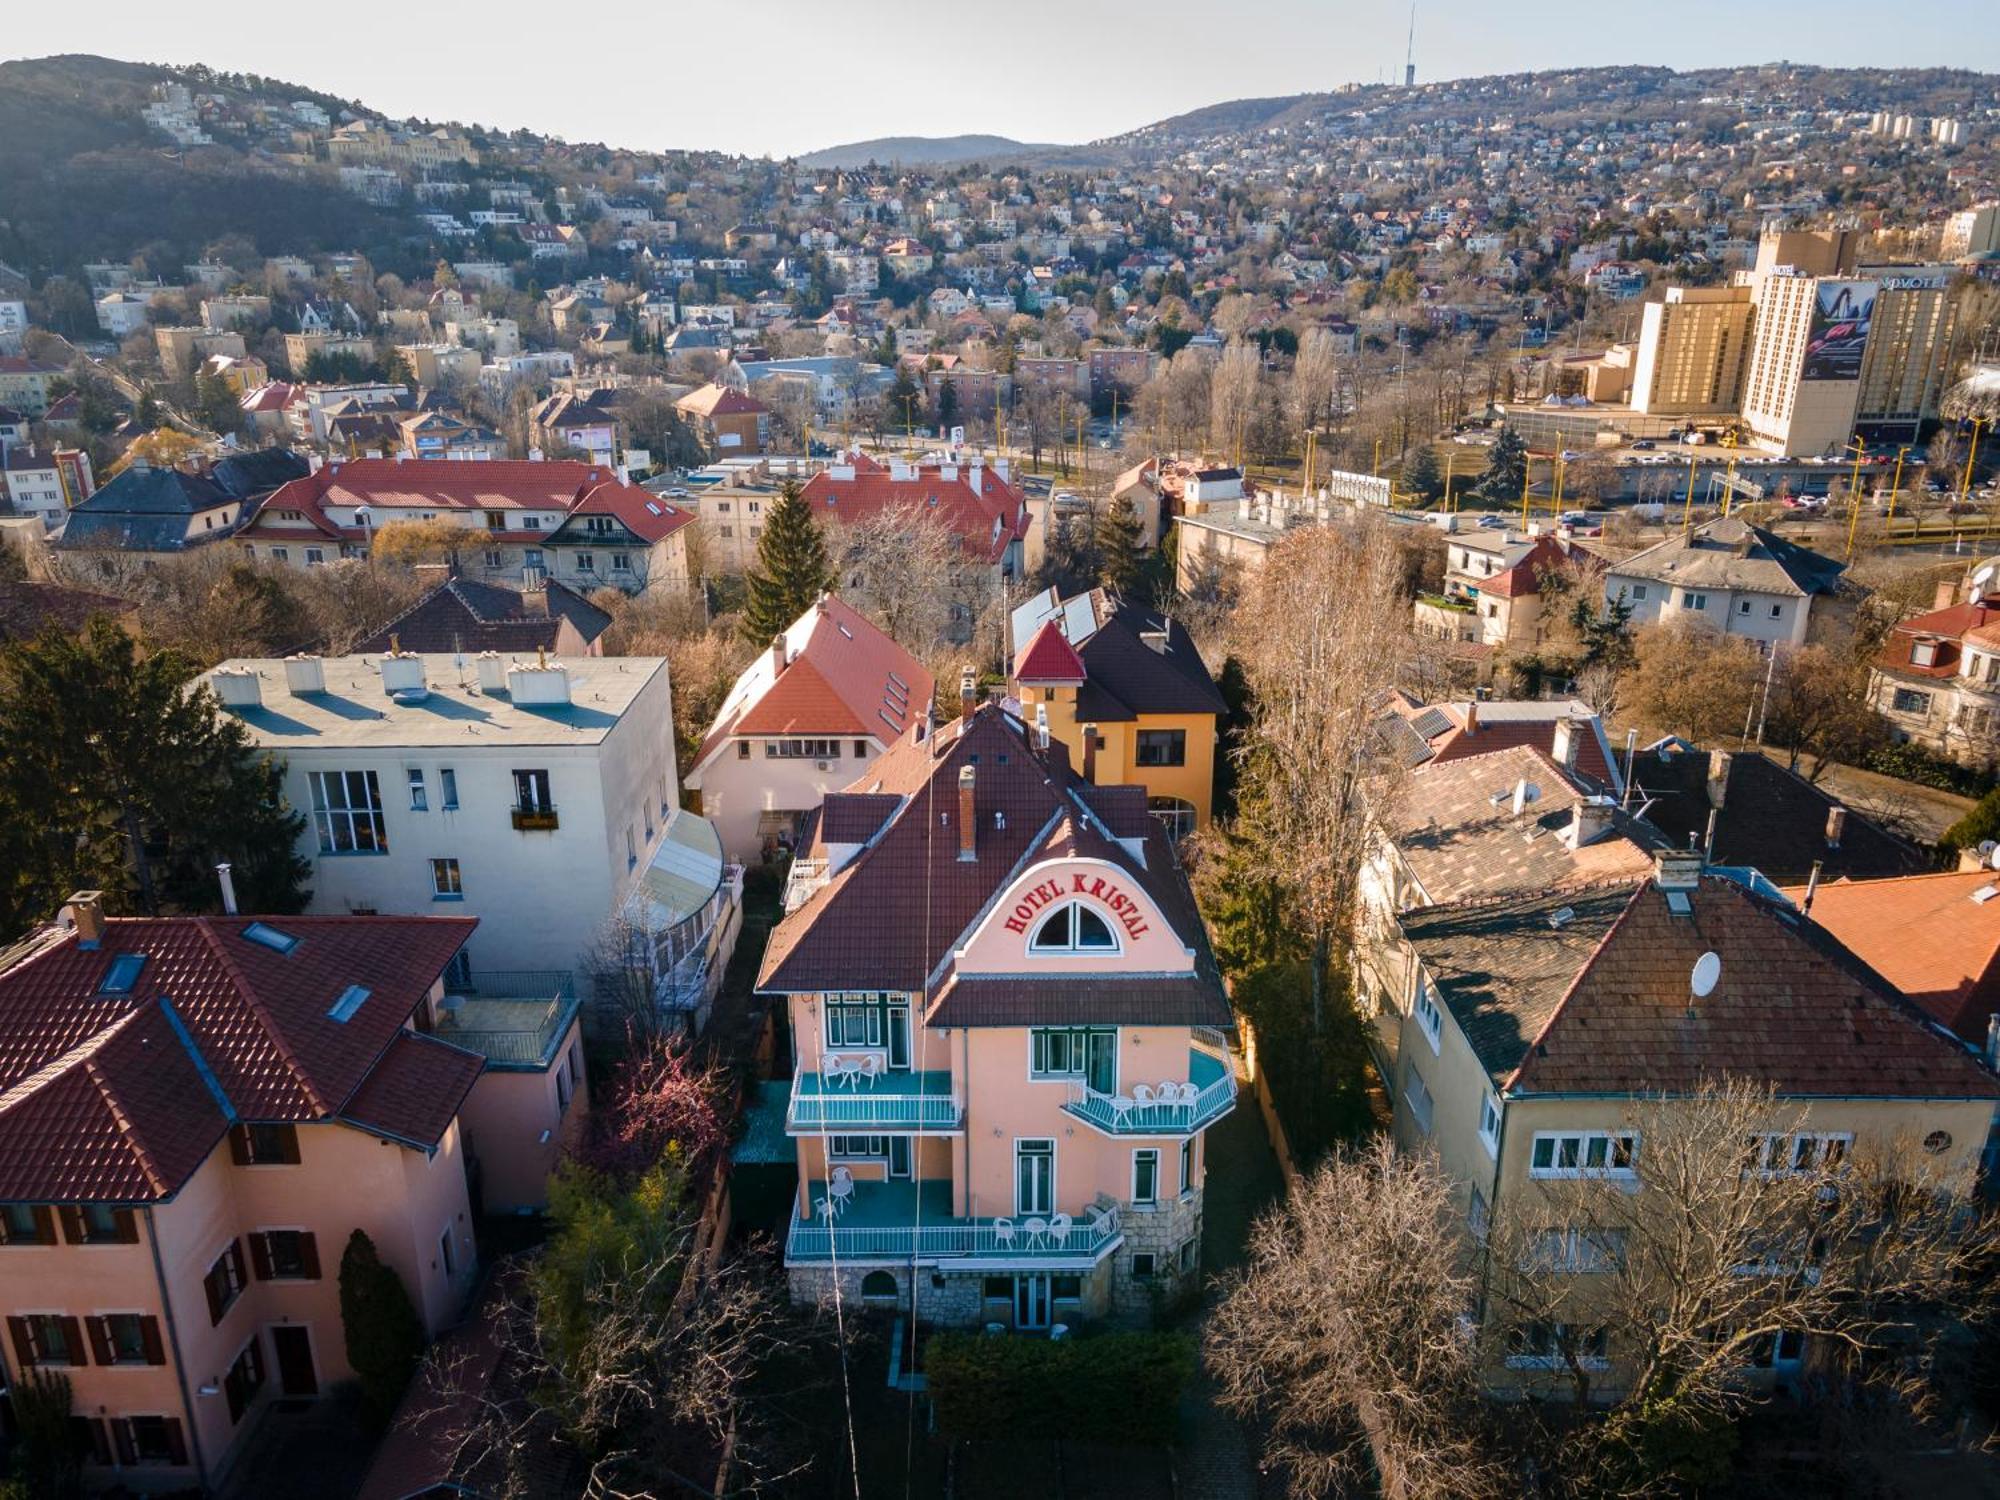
(659, 1100)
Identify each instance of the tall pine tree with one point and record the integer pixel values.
(115, 776)
(791, 571)
(1506, 469)
(1122, 546)
(1421, 475)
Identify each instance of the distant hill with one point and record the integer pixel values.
(924, 150)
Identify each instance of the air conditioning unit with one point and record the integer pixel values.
(823, 765)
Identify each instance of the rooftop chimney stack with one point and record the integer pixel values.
(1676, 869)
(1836, 825)
(492, 672)
(1472, 717)
(237, 686)
(538, 684)
(227, 879)
(1812, 886)
(778, 655)
(305, 673)
(968, 690)
(967, 826)
(85, 910)
(1566, 743)
(1590, 820)
(1718, 777)
(1090, 753)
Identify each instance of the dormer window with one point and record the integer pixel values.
(1923, 653)
(1074, 928)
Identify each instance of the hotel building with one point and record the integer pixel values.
(1006, 1022)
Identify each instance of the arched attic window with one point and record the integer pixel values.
(1073, 928)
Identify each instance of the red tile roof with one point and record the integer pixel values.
(985, 522)
(637, 509)
(442, 484)
(843, 676)
(1948, 627)
(1049, 658)
(1927, 936)
(120, 1097)
(718, 400)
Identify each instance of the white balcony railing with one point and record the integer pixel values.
(886, 1102)
(1209, 1096)
(1009, 1240)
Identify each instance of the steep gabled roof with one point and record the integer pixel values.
(842, 676)
(120, 1096)
(462, 614)
(1049, 659)
(1730, 553)
(986, 521)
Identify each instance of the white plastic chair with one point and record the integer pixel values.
(868, 1066)
(1059, 1227)
(1003, 1233)
(834, 1067)
(823, 1208)
(1142, 1093)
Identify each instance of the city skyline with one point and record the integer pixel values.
(891, 80)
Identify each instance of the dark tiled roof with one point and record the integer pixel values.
(120, 1097)
(414, 1091)
(462, 614)
(1128, 677)
(1772, 819)
(1731, 553)
(27, 609)
(1792, 1009)
(855, 817)
(1081, 1000)
(1501, 968)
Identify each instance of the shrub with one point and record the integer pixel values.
(385, 1338)
(1117, 1388)
(1911, 762)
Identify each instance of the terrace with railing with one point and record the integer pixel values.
(847, 1102)
(903, 1221)
(1174, 1108)
(513, 1018)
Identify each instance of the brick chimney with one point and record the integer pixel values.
(1836, 825)
(1718, 777)
(86, 914)
(968, 691)
(1566, 743)
(1472, 717)
(777, 656)
(967, 816)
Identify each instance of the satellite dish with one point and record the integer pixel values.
(1707, 970)
(1986, 848)
(1531, 793)
(1979, 579)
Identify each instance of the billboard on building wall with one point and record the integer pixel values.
(1839, 332)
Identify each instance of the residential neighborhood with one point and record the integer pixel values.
(1297, 799)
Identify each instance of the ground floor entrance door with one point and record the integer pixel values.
(1031, 1301)
(296, 1376)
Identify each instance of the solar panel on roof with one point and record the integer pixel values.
(1431, 723)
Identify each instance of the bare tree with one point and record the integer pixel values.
(1735, 1223)
(903, 564)
(1233, 392)
(1323, 631)
(1344, 1334)
(1315, 378)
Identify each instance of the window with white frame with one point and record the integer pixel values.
(445, 883)
(420, 797)
(1800, 1151)
(448, 789)
(1489, 1124)
(1428, 1015)
(858, 1147)
(1574, 1251)
(1187, 1166)
(1548, 1346)
(347, 812)
(1583, 1153)
(854, 1020)
(1418, 1094)
(1073, 928)
(1146, 1175)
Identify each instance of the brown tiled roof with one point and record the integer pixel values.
(26, 609)
(119, 1097)
(1793, 1009)
(462, 614)
(1455, 825)
(413, 1092)
(1088, 1000)
(892, 917)
(1927, 936)
(1502, 965)
(1771, 818)
(854, 817)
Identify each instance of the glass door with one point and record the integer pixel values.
(1101, 1062)
(899, 1037)
(1031, 1301)
(899, 1156)
(1034, 1177)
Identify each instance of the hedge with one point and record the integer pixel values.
(1115, 1387)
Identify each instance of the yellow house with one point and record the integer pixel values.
(1534, 1023)
(1124, 688)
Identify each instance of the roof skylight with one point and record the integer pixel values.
(349, 1002)
(123, 975)
(266, 936)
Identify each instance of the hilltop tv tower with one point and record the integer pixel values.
(1410, 53)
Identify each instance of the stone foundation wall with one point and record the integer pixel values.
(1160, 1232)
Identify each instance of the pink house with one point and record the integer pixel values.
(1007, 1026)
(195, 1115)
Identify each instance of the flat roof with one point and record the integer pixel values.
(355, 711)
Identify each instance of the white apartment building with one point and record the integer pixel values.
(532, 794)
(1729, 576)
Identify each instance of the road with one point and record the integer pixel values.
(1922, 812)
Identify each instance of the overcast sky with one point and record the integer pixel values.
(781, 76)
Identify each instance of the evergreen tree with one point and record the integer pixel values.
(947, 403)
(114, 776)
(791, 571)
(385, 1338)
(1121, 544)
(1506, 469)
(1421, 475)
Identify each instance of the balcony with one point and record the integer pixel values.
(512, 1018)
(1209, 1095)
(534, 819)
(889, 1103)
(899, 1222)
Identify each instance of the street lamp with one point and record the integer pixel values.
(1896, 484)
(1860, 451)
(1971, 456)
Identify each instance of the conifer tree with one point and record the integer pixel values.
(385, 1339)
(1506, 469)
(115, 776)
(1121, 544)
(791, 571)
(1421, 475)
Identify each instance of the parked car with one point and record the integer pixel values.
(1644, 445)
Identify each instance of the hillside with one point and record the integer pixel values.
(923, 150)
